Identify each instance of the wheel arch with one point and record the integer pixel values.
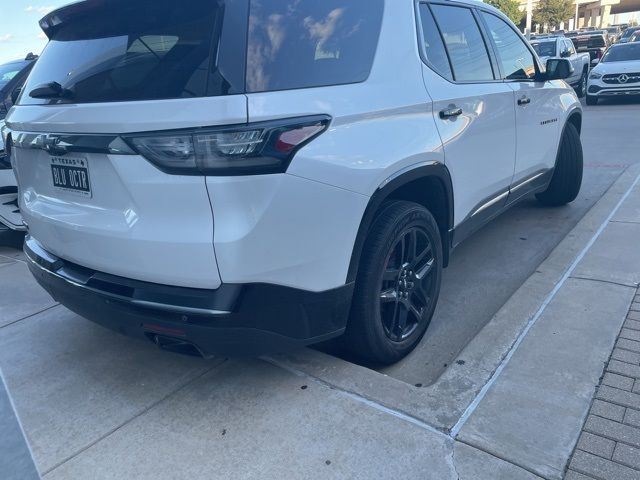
(575, 118)
(429, 185)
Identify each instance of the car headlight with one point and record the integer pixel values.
(595, 76)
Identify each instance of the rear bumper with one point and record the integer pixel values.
(232, 320)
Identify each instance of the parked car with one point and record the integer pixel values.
(561, 47)
(251, 176)
(12, 77)
(627, 34)
(595, 43)
(617, 74)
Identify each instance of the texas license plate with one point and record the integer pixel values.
(71, 175)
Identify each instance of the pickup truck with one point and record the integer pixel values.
(562, 47)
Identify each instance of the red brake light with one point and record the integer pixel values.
(290, 139)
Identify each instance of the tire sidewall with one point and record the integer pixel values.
(415, 215)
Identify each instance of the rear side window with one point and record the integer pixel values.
(123, 50)
(433, 45)
(311, 43)
(464, 42)
(570, 47)
(516, 60)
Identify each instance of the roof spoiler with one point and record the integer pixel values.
(51, 21)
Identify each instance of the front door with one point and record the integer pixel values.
(536, 105)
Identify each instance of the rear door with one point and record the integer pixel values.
(474, 111)
(113, 68)
(538, 106)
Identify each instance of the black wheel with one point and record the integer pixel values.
(567, 176)
(592, 100)
(398, 283)
(582, 86)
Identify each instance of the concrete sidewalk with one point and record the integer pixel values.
(98, 405)
(16, 462)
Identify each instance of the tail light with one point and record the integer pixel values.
(258, 148)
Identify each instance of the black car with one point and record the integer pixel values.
(12, 77)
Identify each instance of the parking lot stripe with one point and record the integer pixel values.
(505, 361)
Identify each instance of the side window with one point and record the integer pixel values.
(433, 45)
(516, 60)
(570, 47)
(464, 42)
(311, 43)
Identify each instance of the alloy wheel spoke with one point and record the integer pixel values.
(425, 270)
(402, 321)
(422, 256)
(389, 295)
(417, 312)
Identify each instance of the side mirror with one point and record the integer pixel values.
(15, 95)
(565, 54)
(595, 61)
(559, 69)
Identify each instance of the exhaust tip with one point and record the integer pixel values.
(174, 345)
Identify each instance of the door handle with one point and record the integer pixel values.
(451, 112)
(524, 101)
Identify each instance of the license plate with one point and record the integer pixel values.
(71, 175)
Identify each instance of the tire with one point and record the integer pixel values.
(567, 176)
(581, 91)
(592, 100)
(382, 328)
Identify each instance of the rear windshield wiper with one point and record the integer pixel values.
(50, 90)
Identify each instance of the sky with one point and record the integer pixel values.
(19, 30)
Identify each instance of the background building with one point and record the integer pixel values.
(599, 14)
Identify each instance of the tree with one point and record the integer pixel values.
(553, 12)
(509, 8)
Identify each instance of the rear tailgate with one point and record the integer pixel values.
(113, 68)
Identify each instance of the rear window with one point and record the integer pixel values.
(122, 50)
(545, 49)
(311, 43)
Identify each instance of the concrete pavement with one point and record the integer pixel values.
(16, 462)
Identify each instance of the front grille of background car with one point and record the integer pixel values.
(614, 78)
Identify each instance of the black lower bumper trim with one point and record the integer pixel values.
(233, 320)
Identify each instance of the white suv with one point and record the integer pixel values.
(245, 176)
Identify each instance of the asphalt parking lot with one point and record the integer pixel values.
(87, 396)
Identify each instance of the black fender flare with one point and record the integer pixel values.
(435, 170)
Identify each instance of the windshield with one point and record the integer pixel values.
(8, 71)
(623, 53)
(545, 49)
